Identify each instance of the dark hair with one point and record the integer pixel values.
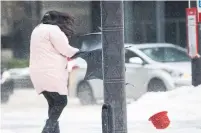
(63, 20)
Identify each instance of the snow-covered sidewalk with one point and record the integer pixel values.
(183, 106)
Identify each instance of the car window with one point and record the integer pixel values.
(166, 54)
(91, 42)
(175, 55)
(156, 54)
(129, 54)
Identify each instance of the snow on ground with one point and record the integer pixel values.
(183, 106)
(183, 103)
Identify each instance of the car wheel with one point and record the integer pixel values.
(4, 98)
(156, 85)
(85, 94)
(11, 87)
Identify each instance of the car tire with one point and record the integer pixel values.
(11, 87)
(156, 85)
(5, 98)
(85, 94)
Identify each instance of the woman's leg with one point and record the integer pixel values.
(59, 103)
(50, 101)
(56, 104)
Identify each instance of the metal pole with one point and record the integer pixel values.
(112, 21)
(196, 62)
(160, 23)
(128, 22)
(189, 3)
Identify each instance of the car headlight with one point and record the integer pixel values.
(5, 75)
(186, 76)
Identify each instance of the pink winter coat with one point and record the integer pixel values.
(49, 49)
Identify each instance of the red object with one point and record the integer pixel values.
(199, 17)
(160, 120)
(192, 12)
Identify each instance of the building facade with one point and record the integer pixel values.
(145, 21)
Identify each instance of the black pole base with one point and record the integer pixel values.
(196, 71)
(107, 118)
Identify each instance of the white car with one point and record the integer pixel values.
(149, 67)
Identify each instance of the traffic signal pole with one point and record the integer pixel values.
(114, 112)
(193, 20)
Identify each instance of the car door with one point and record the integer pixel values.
(136, 74)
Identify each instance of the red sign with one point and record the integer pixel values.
(199, 10)
(192, 31)
(199, 17)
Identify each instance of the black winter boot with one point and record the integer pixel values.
(57, 129)
(50, 126)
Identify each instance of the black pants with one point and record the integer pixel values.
(56, 104)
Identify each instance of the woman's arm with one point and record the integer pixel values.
(61, 43)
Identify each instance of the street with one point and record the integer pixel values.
(26, 113)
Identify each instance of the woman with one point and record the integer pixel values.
(49, 50)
